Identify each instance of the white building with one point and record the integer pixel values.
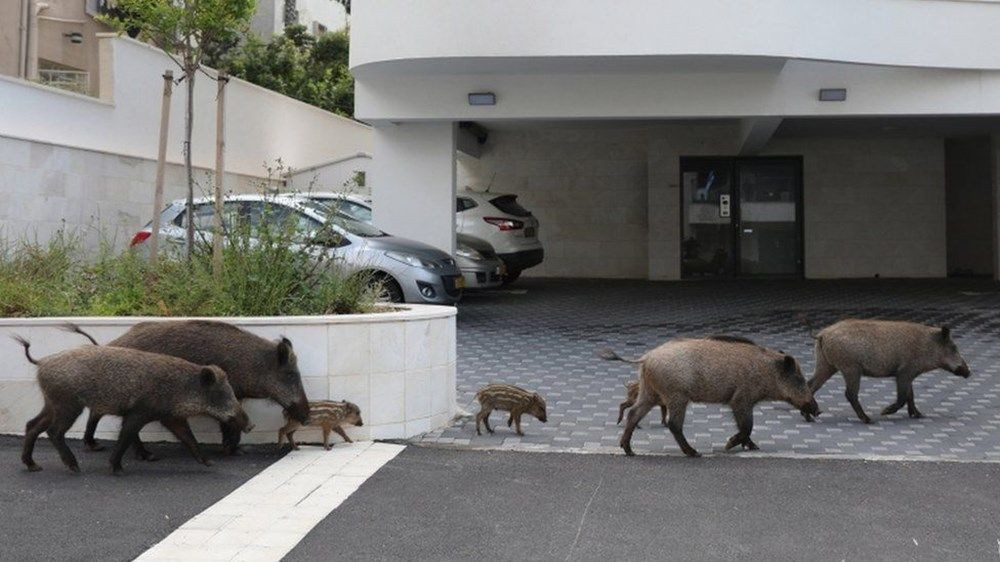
(661, 140)
(318, 16)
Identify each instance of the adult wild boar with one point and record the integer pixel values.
(881, 348)
(257, 368)
(720, 370)
(139, 386)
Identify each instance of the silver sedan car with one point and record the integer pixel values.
(411, 271)
(480, 265)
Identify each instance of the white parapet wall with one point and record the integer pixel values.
(398, 367)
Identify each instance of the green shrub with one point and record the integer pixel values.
(267, 272)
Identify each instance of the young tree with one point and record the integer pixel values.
(186, 30)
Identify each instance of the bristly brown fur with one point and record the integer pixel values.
(257, 368)
(326, 414)
(508, 398)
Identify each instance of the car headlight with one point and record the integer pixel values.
(410, 259)
(468, 252)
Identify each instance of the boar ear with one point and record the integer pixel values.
(284, 351)
(788, 364)
(945, 333)
(207, 376)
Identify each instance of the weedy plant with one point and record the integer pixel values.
(271, 269)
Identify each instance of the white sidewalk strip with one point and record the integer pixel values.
(266, 517)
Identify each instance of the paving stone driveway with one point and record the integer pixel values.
(544, 335)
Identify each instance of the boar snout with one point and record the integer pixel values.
(242, 421)
(811, 408)
(963, 371)
(299, 411)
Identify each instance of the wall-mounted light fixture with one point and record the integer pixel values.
(833, 94)
(75, 37)
(482, 98)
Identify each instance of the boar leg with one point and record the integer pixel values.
(142, 453)
(678, 409)
(824, 370)
(643, 405)
(663, 414)
(326, 437)
(744, 422)
(911, 406)
(88, 435)
(904, 388)
(132, 423)
(230, 438)
(61, 422)
(484, 417)
(287, 430)
(35, 427)
(182, 431)
(340, 432)
(853, 380)
(517, 423)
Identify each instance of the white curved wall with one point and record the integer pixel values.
(924, 33)
(398, 367)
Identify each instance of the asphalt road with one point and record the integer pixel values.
(57, 515)
(446, 504)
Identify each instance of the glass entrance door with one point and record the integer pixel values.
(741, 217)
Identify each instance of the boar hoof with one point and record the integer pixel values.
(34, 468)
(916, 415)
(693, 454)
(866, 419)
(205, 461)
(95, 447)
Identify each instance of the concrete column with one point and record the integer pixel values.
(995, 201)
(413, 181)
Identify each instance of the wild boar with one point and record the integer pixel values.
(882, 348)
(257, 368)
(720, 370)
(141, 387)
(508, 398)
(631, 393)
(327, 414)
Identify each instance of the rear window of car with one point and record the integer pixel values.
(464, 204)
(508, 204)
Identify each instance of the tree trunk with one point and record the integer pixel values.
(161, 160)
(220, 150)
(189, 74)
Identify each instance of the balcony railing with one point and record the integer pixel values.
(72, 80)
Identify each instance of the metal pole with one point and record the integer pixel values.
(161, 160)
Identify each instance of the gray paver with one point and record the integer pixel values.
(546, 338)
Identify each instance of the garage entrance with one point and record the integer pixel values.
(741, 217)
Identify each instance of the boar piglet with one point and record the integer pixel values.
(508, 398)
(141, 387)
(882, 348)
(257, 368)
(720, 370)
(631, 394)
(327, 414)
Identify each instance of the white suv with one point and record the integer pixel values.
(500, 220)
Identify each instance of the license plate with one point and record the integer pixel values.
(460, 282)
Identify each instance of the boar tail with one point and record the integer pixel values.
(71, 327)
(26, 345)
(804, 318)
(609, 355)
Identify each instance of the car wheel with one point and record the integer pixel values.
(390, 289)
(511, 276)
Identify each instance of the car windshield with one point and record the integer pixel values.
(343, 221)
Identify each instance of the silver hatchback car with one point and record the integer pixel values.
(411, 271)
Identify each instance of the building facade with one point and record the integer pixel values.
(653, 140)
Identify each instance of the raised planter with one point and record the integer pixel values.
(398, 367)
